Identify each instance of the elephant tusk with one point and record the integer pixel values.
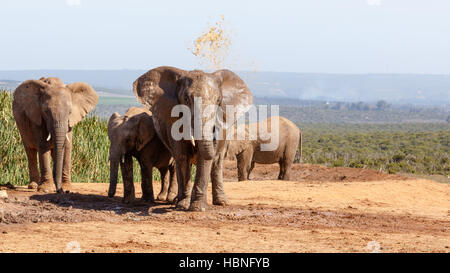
(193, 141)
(67, 137)
(123, 159)
(49, 137)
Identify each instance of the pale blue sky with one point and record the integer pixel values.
(333, 36)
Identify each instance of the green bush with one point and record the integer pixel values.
(421, 148)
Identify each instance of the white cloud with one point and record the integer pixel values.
(72, 3)
(374, 2)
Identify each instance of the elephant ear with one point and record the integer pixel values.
(234, 93)
(84, 99)
(113, 122)
(27, 99)
(156, 84)
(145, 130)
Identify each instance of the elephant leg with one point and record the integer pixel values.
(244, 160)
(183, 169)
(218, 192)
(282, 169)
(202, 177)
(46, 181)
(250, 169)
(173, 187)
(32, 166)
(147, 181)
(67, 164)
(287, 170)
(162, 196)
(128, 182)
(289, 161)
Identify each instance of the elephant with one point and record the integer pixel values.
(162, 88)
(45, 112)
(248, 151)
(133, 135)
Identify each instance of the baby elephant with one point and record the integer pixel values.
(134, 135)
(249, 151)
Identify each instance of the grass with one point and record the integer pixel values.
(410, 148)
(13, 160)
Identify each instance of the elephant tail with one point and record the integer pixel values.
(300, 147)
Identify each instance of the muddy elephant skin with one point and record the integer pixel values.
(45, 111)
(248, 151)
(133, 135)
(161, 89)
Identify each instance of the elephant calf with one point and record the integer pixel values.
(133, 135)
(248, 152)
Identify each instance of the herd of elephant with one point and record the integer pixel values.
(46, 110)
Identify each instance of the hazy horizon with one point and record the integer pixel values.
(395, 88)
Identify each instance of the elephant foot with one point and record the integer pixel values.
(162, 196)
(198, 205)
(33, 185)
(46, 186)
(128, 200)
(171, 197)
(67, 187)
(148, 198)
(219, 201)
(143, 202)
(184, 203)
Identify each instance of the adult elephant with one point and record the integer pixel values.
(161, 89)
(45, 111)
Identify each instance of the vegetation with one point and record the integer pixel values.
(419, 148)
(13, 161)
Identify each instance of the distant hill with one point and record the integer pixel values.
(394, 88)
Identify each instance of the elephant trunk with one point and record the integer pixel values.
(113, 172)
(60, 139)
(206, 149)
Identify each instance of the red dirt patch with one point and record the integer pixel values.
(310, 172)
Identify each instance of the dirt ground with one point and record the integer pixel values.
(325, 210)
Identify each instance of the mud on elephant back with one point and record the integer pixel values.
(161, 89)
(45, 111)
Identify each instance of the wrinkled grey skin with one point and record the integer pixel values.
(162, 88)
(133, 135)
(248, 152)
(45, 111)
